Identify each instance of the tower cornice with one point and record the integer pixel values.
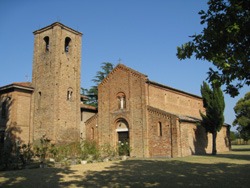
(57, 24)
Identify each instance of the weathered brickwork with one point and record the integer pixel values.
(56, 79)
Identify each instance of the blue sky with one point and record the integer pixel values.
(144, 34)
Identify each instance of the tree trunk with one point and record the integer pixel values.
(214, 150)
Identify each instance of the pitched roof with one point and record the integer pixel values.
(56, 24)
(181, 118)
(124, 67)
(88, 107)
(25, 86)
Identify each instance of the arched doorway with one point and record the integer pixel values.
(122, 130)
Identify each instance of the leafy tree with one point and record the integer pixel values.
(213, 102)
(232, 136)
(92, 93)
(242, 113)
(224, 42)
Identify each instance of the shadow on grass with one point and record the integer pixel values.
(241, 149)
(149, 173)
(136, 173)
(39, 177)
(234, 156)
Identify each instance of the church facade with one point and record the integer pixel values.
(156, 120)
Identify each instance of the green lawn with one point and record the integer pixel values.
(231, 169)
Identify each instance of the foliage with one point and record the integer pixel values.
(123, 148)
(213, 102)
(242, 113)
(14, 154)
(64, 151)
(107, 151)
(42, 149)
(26, 153)
(233, 136)
(92, 93)
(244, 133)
(90, 150)
(224, 42)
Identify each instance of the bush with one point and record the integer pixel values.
(42, 149)
(14, 155)
(64, 151)
(89, 150)
(124, 148)
(107, 151)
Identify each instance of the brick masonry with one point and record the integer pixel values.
(17, 97)
(161, 120)
(56, 79)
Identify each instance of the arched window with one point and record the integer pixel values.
(69, 94)
(121, 98)
(67, 44)
(46, 40)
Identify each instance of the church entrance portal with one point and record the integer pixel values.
(123, 137)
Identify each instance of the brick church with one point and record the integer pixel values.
(156, 120)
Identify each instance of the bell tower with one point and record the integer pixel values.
(56, 79)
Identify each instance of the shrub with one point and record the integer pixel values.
(42, 149)
(124, 148)
(107, 151)
(89, 150)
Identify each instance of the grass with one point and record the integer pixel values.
(230, 169)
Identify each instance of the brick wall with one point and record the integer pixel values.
(56, 79)
(159, 133)
(18, 114)
(132, 85)
(195, 140)
(176, 102)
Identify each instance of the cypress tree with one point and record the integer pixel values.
(213, 119)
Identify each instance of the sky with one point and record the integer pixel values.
(141, 34)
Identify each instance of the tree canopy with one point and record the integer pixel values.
(242, 113)
(213, 119)
(225, 42)
(92, 93)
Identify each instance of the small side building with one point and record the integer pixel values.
(15, 111)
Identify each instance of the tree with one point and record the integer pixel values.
(92, 93)
(225, 42)
(242, 113)
(213, 102)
